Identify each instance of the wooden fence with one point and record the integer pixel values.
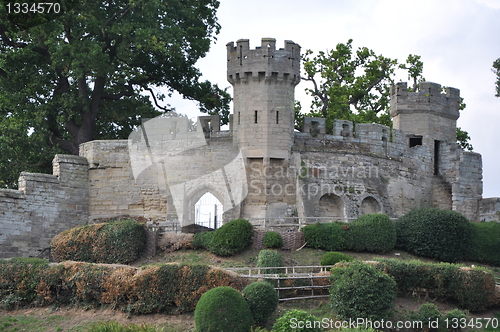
(292, 282)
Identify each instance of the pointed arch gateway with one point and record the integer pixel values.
(208, 211)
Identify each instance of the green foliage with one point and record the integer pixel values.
(222, 309)
(326, 236)
(486, 243)
(297, 321)
(440, 234)
(270, 258)
(168, 288)
(262, 300)
(496, 70)
(361, 291)
(113, 242)
(463, 139)
(471, 288)
(333, 257)
(347, 79)
(84, 75)
(117, 327)
(202, 240)
(455, 315)
(232, 238)
(273, 240)
(371, 232)
(428, 312)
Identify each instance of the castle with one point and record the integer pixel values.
(260, 169)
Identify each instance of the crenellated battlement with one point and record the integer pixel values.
(428, 99)
(264, 63)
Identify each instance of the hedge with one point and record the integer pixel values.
(371, 232)
(326, 236)
(444, 235)
(166, 288)
(472, 288)
(113, 242)
(486, 243)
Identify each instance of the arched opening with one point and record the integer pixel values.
(208, 211)
(370, 205)
(331, 206)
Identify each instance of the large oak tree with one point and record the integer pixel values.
(91, 73)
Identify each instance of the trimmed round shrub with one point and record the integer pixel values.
(440, 234)
(232, 238)
(270, 258)
(297, 321)
(371, 232)
(333, 257)
(273, 240)
(428, 312)
(262, 299)
(114, 242)
(222, 309)
(361, 291)
(326, 236)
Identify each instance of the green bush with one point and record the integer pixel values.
(262, 299)
(333, 257)
(361, 291)
(326, 236)
(232, 238)
(453, 318)
(202, 240)
(440, 234)
(114, 242)
(428, 312)
(486, 243)
(371, 232)
(273, 240)
(473, 289)
(222, 309)
(270, 258)
(297, 321)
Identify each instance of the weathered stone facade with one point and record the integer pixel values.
(261, 168)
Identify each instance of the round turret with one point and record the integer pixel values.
(264, 81)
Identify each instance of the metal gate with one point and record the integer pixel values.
(208, 211)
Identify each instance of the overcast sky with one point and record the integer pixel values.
(457, 39)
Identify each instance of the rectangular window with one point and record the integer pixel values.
(414, 141)
(256, 116)
(277, 117)
(239, 118)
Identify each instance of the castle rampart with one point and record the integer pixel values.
(261, 167)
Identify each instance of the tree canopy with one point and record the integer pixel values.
(496, 70)
(91, 73)
(355, 86)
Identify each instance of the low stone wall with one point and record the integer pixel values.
(291, 240)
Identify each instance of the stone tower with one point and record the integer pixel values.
(425, 116)
(264, 81)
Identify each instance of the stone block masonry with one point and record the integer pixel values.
(44, 206)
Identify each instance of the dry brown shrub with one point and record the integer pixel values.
(170, 242)
(118, 286)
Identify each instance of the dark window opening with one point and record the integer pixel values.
(256, 114)
(239, 118)
(437, 148)
(414, 141)
(277, 117)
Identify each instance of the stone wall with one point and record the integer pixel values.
(44, 206)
